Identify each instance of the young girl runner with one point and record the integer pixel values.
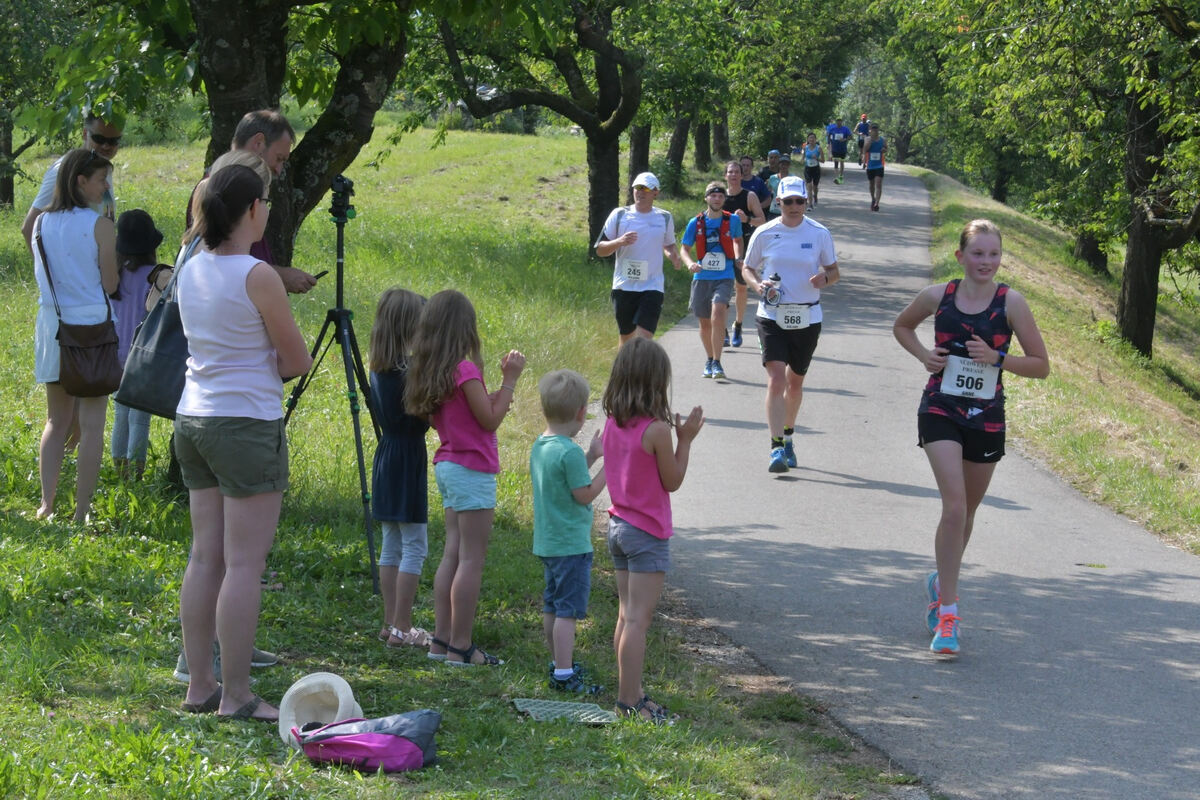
(445, 383)
(960, 422)
(642, 468)
(400, 476)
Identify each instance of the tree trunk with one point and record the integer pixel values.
(604, 191)
(242, 78)
(7, 191)
(675, 150)
(702, 146)
(529, 119)
(1088, 250)
(639, 156)
(720, 135)
(1003, 160)
(1137, 305)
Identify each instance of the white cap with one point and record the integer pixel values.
(792, 186)
(320, 697)
(646, 179)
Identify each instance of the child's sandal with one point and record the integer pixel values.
(656, 714)
(436, 642)
(489, 660)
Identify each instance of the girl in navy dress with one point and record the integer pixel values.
(399, 477)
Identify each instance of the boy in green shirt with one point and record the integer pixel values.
(563, 491)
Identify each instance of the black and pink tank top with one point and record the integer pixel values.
(952, 330)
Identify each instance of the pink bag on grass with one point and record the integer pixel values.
(394, 744)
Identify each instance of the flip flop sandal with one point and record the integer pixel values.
(207, 707)
(246, 712)
(434, 641)
(489, 660)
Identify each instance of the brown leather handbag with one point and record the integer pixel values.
(87, 354)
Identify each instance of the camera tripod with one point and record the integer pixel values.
(339, 325)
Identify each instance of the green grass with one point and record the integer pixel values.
(88, 630)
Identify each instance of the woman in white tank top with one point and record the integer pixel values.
(80, 246)
(242, 343)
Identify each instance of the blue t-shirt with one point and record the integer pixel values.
(759, 187)
(839, 136)
(712, 244)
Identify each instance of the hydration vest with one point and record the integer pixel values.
(723, 232)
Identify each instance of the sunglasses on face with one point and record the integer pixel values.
(792, 201)
(99, 139)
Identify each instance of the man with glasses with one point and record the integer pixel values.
(790, 260)
(102, 138)
(639, 235)
(269, 135)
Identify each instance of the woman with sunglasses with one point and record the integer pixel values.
(80, 246)
(229, 437)
(790, 260)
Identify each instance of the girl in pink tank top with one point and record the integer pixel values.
(642, 468)
(445, 384)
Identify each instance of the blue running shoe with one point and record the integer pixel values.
(789, 453)
(945, 636)
(931, 611)
(718, 371)
(726, 343)
(736, 339)
(708, 369)
(778, 461)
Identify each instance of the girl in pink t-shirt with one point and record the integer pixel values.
(642, 468)
(445, 383)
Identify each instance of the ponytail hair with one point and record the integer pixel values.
(226, 197)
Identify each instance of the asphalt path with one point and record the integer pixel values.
(1080, 670)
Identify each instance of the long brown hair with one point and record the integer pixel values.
(394, 329)
(640, 382)
(446, 335)
(66, 186)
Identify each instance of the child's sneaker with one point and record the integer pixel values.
(945, 636)
(575, 683)
(931, 611)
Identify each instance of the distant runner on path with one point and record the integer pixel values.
(790, 260)
(960, 421)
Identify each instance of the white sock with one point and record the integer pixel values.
(950, 609)
(563, 674)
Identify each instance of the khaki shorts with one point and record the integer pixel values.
(241, 456)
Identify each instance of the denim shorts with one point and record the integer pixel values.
(240, 455)
(568, 584)
(635, 550)
(464, 489)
